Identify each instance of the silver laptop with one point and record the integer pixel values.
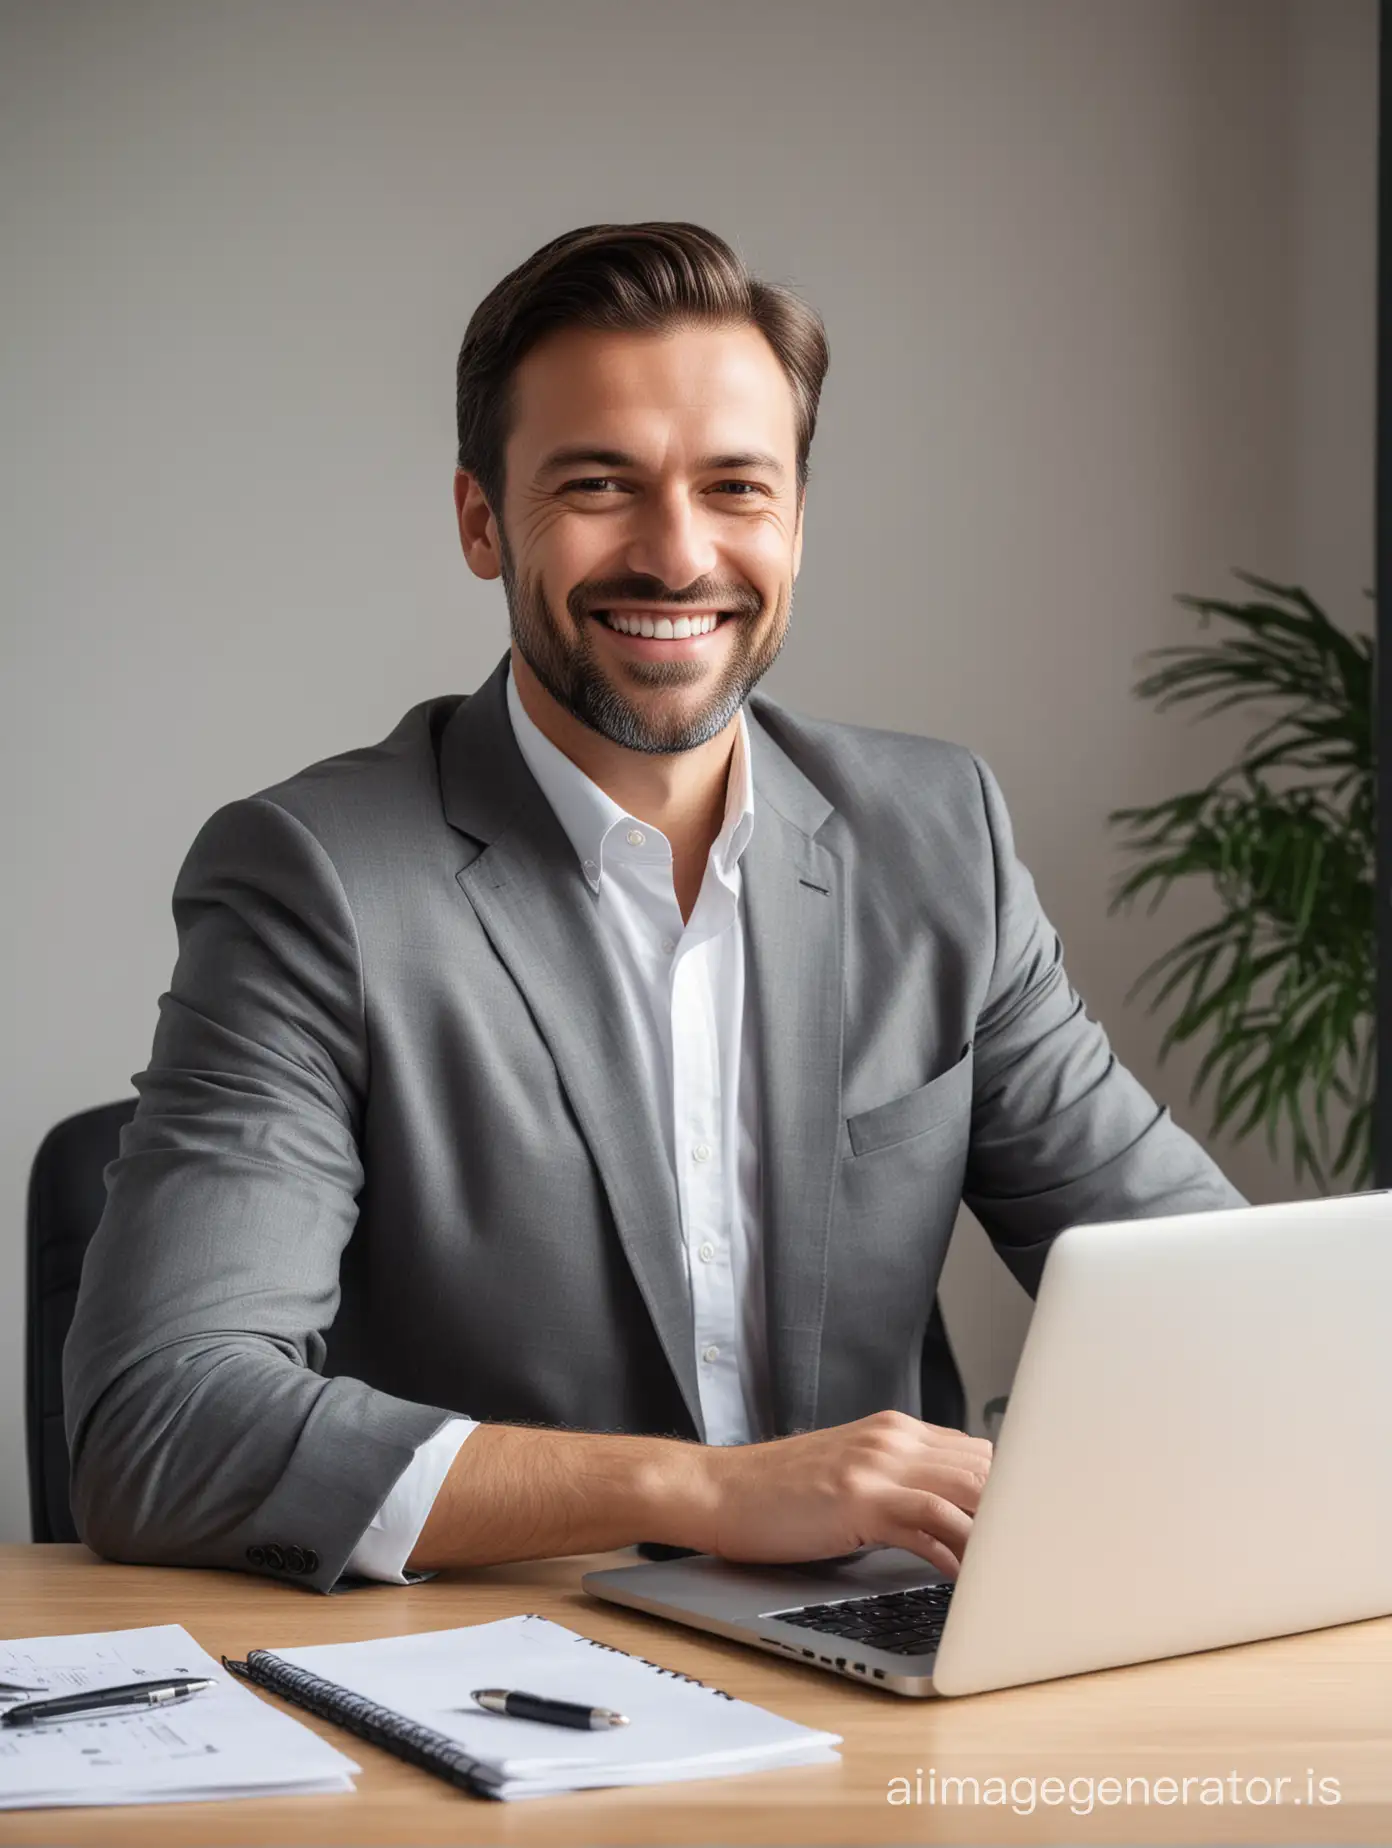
(1195, 1453)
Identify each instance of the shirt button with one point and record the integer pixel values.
(591, 866)
(710, 1353)
(701, 1152)
(668, 946)
(707, 1252)
(636, 837)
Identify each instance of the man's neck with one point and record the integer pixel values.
(683, 795)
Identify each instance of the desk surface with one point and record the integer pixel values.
(1317, 1706)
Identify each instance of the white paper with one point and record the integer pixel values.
(677, 1728)
(223, 1742)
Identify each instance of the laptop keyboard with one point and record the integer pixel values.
(905, 1623)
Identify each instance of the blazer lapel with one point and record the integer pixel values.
(794, 911)
(531, 898)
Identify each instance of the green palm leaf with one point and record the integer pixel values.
(1293, 869)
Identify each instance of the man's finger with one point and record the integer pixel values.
(929, 1547)
(926, 1512)
(950, 1480)
(947, 1438)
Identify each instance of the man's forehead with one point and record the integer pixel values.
(727, 379)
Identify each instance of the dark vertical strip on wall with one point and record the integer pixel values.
(1382, 726)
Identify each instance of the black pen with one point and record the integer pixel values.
(549, 1712)
(129, 1694)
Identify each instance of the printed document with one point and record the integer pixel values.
(224, 1742)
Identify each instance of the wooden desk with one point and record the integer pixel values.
(1320, 1702)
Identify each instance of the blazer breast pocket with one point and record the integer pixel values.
(942, 1100)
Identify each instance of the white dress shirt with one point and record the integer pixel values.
(685, 990)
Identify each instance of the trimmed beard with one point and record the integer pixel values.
(573, 674)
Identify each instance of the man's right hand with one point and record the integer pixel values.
(885, 1480)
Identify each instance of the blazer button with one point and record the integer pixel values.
(311, 1560)
(275, 1558)
(294, 1559)
(256, 1555)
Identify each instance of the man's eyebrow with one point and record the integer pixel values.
(575, 453)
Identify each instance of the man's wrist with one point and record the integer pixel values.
(677, 1492)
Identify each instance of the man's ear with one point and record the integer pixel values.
(797, 534)
(478, 530)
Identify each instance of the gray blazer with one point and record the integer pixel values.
(392, 1157)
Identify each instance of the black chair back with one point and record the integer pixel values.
(67, 1192)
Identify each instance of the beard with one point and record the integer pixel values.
(565, 655)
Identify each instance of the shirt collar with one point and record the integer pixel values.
(588, 814)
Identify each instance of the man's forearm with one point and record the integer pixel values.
(514, 1492)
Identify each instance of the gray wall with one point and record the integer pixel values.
(1098, 276)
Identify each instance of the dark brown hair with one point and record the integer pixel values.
(647, 277)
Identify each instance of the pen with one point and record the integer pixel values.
(129, 1694)
(551, 1712)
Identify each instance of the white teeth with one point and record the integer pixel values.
(663, 628)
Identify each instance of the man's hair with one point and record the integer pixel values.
(650, 278)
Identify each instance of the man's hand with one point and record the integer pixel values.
(886, 1480)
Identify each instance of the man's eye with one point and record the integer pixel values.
(591, 484)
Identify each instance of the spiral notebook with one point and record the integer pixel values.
(411, 1695)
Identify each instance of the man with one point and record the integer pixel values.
(560, 1111)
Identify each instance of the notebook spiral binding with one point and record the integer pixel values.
(418, 1745)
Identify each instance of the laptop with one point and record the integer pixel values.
(1194, 1454)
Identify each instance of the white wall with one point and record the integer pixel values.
(1098, 277)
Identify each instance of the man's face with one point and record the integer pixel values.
(668, 533)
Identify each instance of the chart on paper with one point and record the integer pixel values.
(74, 1665)
(224, 1741)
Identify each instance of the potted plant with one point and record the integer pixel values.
(1284, 981)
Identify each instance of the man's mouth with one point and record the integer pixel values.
(662, 625)
(662, 635)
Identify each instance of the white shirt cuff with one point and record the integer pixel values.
(391, 1536)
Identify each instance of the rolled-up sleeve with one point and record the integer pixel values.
(393, 1531)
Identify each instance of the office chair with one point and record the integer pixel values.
(67, 1191)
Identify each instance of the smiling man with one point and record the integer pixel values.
(560, 1111)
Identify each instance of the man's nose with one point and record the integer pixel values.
(671, 542)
